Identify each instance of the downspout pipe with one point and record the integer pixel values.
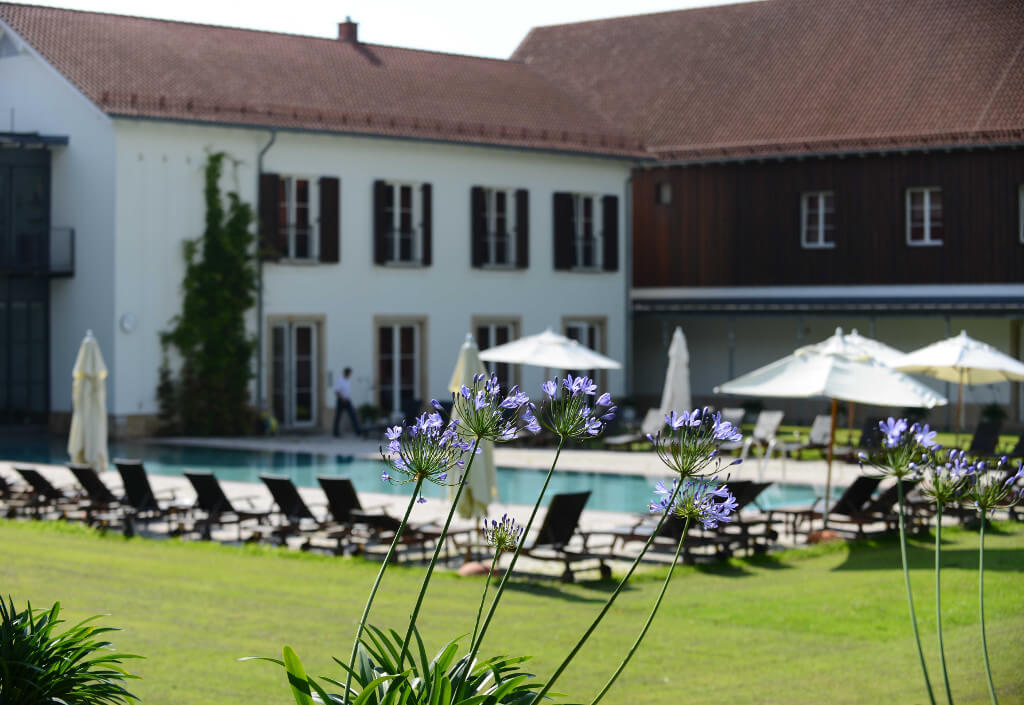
(628, 265)
(259, 275)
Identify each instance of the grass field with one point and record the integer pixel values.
(820, 625)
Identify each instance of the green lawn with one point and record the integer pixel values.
(821, 625)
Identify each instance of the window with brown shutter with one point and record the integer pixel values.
(610, 233)
(522, 228)
(269, 217)
(564, 230)
(403, 223)
(330, 223)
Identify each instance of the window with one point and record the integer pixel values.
(296, 218)
(500, 227)
(817, 219)
(294, 372)
(663, 193)
(402, 214)
(500, 249)
(590, 333)
(492, 332)
(399, 367)
(586, 232)
(1020, 208)
(924, 216)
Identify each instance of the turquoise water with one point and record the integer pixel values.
(620, 493)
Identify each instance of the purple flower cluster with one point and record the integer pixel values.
(948, 481)
(424, 450)
(700, 499)
(907, 449)
(990, 491)
(691, 440)
(570, 410)
(487, 414)
(503, 535)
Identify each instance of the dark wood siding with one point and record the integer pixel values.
(738, 224)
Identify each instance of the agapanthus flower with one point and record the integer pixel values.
(946, 482)
(503, 535)
(570, 411)
(485, 413)
(700, 499)
(425, 450)
(690, 441)
(907, 450)
(988, 491)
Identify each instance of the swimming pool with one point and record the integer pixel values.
(620, 493)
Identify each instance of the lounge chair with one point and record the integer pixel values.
(352, 522)
(556, 532)
(763, 435)
(746, 493)
(876, 511)
(852, 502)
(652, 423)
(734, 415)
(216, 506)
(1018, 450)
(817, 438)
(870, 439)
(140, 500)
(297, 518)
(102, 503)
(44, 495)
(985, 440)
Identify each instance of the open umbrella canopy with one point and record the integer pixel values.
(87, 442)
(833, 369)
(482, 485)
(964, 360)
(886, 354)
(550, 350)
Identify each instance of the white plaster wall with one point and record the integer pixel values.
(159, 176)
(35, 98)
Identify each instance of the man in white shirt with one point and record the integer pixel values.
(343, 401)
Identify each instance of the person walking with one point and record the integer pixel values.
(343, 402)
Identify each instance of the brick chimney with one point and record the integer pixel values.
(348, 31)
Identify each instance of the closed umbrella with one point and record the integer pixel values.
(87, 442)
(834, 370)
(482, 484)
(963, 360)
(675, 395)
(549, 350)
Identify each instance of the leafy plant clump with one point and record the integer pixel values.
(210, 395)
(40, 665)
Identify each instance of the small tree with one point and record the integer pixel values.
(212, 393)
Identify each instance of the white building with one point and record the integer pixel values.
(408, 197)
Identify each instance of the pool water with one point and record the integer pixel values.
(611, 492)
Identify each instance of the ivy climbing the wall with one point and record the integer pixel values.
(209, 395)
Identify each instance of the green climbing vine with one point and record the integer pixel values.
(210, 395)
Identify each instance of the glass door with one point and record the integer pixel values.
(294, 373)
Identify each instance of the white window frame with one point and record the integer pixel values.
(511, 227)
(290, 226)
(818, 237)
(394, 233)
(600, 326)
(418, 369)
(927, 192)
(597, 225)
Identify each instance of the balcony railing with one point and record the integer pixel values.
(32, 254)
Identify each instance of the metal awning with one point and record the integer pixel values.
(10, 140)
(859, 305)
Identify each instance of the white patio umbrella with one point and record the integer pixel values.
(675, 395)
(963, 360)
(885, 354)
(549, 350)
(833, 370)
(482, 485)
(87, 442)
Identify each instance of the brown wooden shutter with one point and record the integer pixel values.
(330, 230)
(270, 225)
(564, 231)
(428, 229)
(522, 228)
(478, 226)
(382, 193)
(610, 234)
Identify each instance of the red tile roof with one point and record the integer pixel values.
(131, 66)
(798, 76)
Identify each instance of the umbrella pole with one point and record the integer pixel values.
(849, 424)
(828, 475)
(959, 407)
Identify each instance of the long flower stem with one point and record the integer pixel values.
(483, 596)
(650, 619)
(981, 609)
(437, 552)
(910, 596)
(376, 584)
(611, 599)
(938, 596)
(475, 647)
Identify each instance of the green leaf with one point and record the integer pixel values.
(297, 677)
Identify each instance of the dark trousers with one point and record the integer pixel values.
(345, 405)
